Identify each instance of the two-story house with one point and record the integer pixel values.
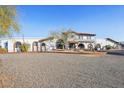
(80, 40)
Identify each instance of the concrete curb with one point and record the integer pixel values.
(60, 52)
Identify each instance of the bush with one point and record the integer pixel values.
(108, 47)
(24, 48)
(3, 50)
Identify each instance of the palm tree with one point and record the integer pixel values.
(8, 20)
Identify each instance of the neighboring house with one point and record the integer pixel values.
(122, 45)
(80, 41)
(113, 43)
(108, 41)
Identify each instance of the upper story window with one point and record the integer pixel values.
(89, 37)
(81, 37)
(72, 36)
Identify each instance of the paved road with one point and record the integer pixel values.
(116, 52)
(60, 70)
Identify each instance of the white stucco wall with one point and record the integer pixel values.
(50, 44)
(11, 42)
(102, 42)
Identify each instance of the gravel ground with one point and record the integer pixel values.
(61, 70)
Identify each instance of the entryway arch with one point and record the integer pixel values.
(17, 46)
(81, 46)
(60, 44)
(43, 47)
(35, 46)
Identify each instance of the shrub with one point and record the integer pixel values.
(108, 47)
(3, 50)
(24, 48)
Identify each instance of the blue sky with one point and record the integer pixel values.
(104, 21)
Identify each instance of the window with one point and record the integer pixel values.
(43, 44)
(82, 37)
(35, 43)
(79, 37)
(88, 37)
(72, 36)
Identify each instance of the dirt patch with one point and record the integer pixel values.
(6, 80)
(98, 54)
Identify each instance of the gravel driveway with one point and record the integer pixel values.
(61, 70)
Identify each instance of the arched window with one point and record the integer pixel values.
(17, 46)
(35, 43)
(98, 47)
(43, 47)
(43, 44)
(81, 46)
(35, 46)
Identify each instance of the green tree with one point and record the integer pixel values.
(8, 20)
(55, 34)
(66, 34)
(24, 47)
(62, 34)
(108, 47)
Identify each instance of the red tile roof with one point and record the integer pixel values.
(80, 33)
